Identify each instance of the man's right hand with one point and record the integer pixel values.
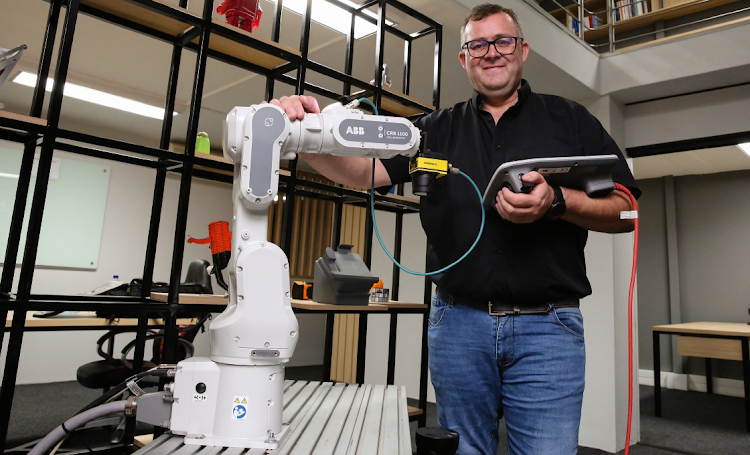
(348, 170)
(296, 106)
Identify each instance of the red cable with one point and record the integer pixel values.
(630, 314)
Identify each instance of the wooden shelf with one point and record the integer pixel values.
(147, 17)
(194, 299)
(392, 103)
(204, 299)
(396, 197)
(397, 107)
(85, 319)
(413, 411)
(23, 118)
(251, 54)
(248, 51)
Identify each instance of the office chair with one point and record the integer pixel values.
(111, 370)
(197, 274)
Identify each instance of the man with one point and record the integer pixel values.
(506, 333)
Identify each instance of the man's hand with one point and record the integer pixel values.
(595, 214)
(348, 170)
(525, 208)
(297, 105)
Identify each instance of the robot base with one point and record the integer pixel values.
(201, 441)
(228, 405)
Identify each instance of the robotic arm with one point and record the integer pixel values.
(234, 399)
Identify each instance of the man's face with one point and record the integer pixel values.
(494, 75)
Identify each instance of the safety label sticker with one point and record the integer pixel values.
(199, 397)
(239, 408)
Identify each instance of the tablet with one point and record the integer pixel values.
(592, 174)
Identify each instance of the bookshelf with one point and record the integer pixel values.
(634, 19)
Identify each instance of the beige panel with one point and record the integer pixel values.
(713, 348)
(344, 351)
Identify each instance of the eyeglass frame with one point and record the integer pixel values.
(515, 41)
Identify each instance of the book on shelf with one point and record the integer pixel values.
(626, 9)
(593, 21)
(590, 22)
(572, 23)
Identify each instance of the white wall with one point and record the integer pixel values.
(605, 327)
(707, 59)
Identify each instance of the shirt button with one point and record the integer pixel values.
(497, 147)
(498, 251)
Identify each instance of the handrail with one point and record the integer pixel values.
(575, 15)
(698, 21)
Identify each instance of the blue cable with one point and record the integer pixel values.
(375, 225)
(366, 100)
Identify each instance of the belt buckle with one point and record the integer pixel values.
(515, 312)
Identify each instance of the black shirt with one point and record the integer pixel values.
(525, 263)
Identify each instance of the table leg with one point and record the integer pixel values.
(361, 347)
(746, 380)
(327, 350)
(391, 373)
(657, 375)
(709, 377)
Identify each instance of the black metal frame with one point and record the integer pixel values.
(54, 138)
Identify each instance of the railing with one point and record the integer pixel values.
(601, 23)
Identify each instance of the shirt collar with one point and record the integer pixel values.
(523, 94)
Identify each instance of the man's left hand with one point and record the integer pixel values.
(525, 208)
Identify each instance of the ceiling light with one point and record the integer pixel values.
(745, 147)
(335, 17)
(96, 97)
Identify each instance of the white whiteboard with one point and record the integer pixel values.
(73, 213)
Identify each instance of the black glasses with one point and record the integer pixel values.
(504, 46)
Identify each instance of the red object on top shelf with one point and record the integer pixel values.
(244, 14)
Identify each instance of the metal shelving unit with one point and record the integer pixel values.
(184, 30)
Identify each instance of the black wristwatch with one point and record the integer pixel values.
(557, 208)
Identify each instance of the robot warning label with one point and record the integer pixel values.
(239, 408)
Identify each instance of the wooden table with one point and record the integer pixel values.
(85, 320)
(710, 340)
(324, 418)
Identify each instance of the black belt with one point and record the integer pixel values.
(499, 307)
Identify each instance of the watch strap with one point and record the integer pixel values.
(557, 208)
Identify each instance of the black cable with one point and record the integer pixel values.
(123, 385)
(220, 280)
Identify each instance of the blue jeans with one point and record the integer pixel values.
(527, 368)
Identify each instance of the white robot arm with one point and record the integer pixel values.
(234, 399)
